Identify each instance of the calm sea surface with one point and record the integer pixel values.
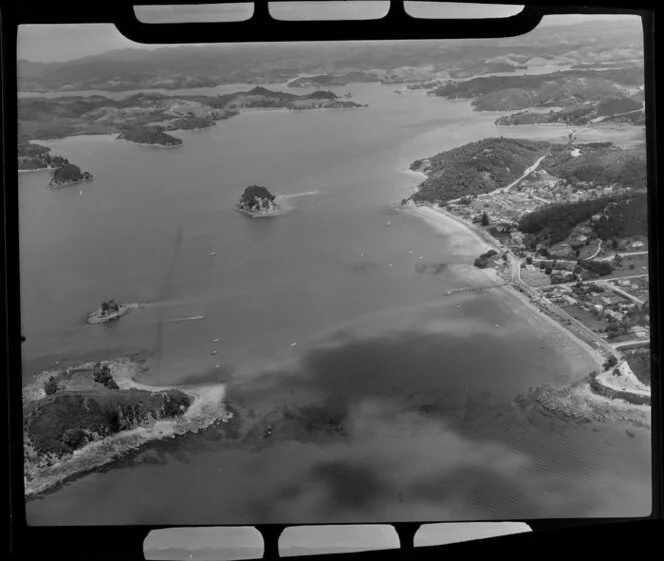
(424, 387)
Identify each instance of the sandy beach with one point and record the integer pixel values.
(574, 400)
(34, 170)
(468, 242)
(465, 241)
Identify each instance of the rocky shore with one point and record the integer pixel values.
(74, 424)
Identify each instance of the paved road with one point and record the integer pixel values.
(526, 173)
(627, 254)
(591, 280)
(630, 343)
(621, 292)
(599, 248)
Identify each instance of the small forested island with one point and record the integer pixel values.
(257, 200)
(66, 411)
(109, 311)
(68, 174)
(149, 135)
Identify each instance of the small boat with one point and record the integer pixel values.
(388, 223)
(496, 325)
(410, 252)
(213, 353)
(293, 344)
(217, 365)
(213, 253)
(215, 340)
(421, 258)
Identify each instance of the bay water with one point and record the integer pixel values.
(340, 297)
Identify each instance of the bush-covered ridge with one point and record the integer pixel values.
(619, 217)
(480, 167)
(149, 135)
(50, 423)
(475, 168)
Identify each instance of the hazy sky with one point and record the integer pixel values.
(55, 43)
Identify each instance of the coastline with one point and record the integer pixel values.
(577, 400)
(34, 170)
(153, 145)
(207, 407)
(51, 185)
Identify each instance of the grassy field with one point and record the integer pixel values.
(535, 278)
(640, 363)
(585, 317)
(631, 265)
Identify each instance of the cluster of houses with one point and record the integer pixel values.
(504, 210)
(561, 191)
(600, 301)
(593, 298)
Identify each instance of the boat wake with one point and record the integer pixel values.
(295, 195)
(178, 320)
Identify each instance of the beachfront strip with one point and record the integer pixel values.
(609, 314)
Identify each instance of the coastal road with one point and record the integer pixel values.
(591, 280)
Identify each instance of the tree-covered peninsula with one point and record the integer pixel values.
(149, 135)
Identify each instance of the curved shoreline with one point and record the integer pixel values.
(598, 401)
(152, 145)
(34, 170)
(207, 407)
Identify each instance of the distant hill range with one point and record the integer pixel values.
(621, 109)
(188, 66)
(558, 89)
(41, 118)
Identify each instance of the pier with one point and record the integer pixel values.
(469, 289)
